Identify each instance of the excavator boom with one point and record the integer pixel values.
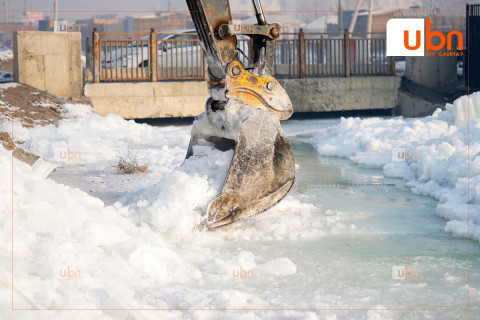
(245, 109)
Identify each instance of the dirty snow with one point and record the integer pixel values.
(6, 55)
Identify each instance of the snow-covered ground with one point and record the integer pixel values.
(88, 237)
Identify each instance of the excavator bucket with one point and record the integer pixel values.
(243, 113)
(261, 173)
(262, 170)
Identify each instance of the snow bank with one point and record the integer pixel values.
(76, 110)
(60, 228)
(177, 204)
(433, 154)
(6, 55)
(9, 85)
(100, 141)
(57, 227)
(147, 250)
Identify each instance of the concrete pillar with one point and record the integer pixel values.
(49, 61)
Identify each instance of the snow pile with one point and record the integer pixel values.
(147, 250)
(76, 110)
(178, 202)
(279, 267)
(56, 226)
(9, 85)
(115, 262)
(175, 200)
(430, 153)
(101, 141)
(6, 55)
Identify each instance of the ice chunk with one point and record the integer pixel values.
(466, 108)
(278, 267)
(43, 168)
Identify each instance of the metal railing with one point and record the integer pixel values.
(122, 59)
(180, 59)
(368, 57)
(146, 57)
(324, 55)
(155, 57)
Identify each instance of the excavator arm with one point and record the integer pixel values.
(244, 112)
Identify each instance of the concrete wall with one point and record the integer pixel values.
(341, 94)
(435, 72)
(438, 73)
(141, 100)
(410, 105)
(49, 61)
(187, 98)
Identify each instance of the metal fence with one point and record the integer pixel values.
(144, 57)
(155, 57)
(332, 54)
(369, 57)
(122, 59)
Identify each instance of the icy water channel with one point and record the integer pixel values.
(346, 237)
(383, 246)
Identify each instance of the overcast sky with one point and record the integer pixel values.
(107, 6)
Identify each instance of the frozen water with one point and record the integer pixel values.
(434, 154)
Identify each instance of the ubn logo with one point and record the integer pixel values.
(402, 154)
(243, 274)
(65, 272)
(411, 37)
(67, 155)
(402, 273)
